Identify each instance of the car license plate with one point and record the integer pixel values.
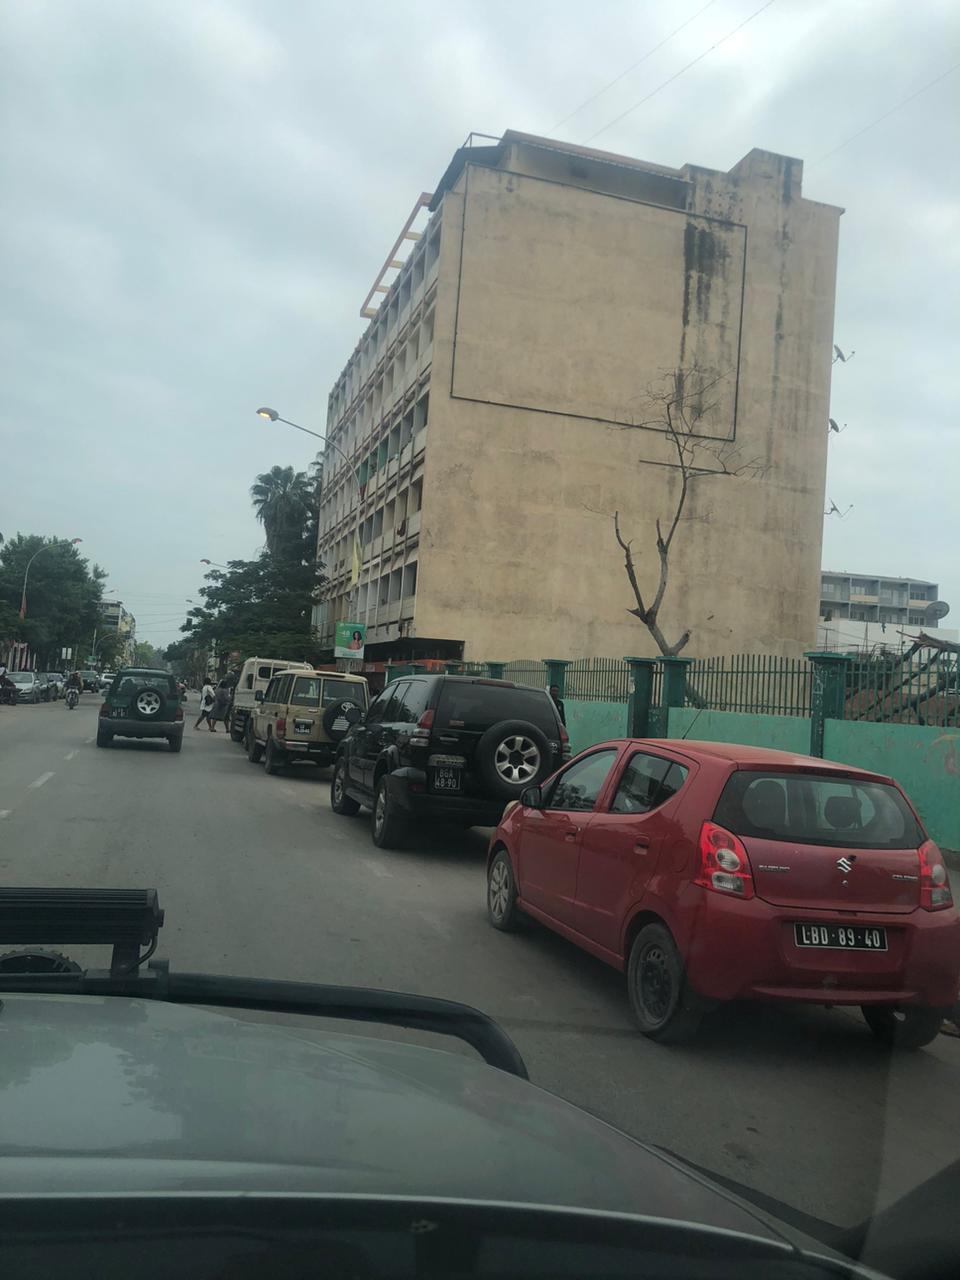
(302, 726)
(447, 778)
(841, 937)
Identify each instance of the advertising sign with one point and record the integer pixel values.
(349, 639)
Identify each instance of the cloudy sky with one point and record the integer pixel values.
(196, 195)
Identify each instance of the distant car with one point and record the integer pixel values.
(141, 703)
(30, 688)
(107, 679)
(303, 716)
(446, 749)
(45, 686)
(56, 683)
(711, 872)
(90, 681)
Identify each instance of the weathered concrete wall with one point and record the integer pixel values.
(924, 760)
(557, 308)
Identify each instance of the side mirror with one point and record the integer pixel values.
(258, 696)
(532, 798)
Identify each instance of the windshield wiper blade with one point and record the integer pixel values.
(127, 919)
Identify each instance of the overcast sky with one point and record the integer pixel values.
(196, 195)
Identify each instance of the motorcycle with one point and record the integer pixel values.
(72, 698)
(8, 695)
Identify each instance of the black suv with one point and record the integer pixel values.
(446, 749)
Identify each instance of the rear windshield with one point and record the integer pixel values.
(478, 706)
(816, 809)
(21, 677)
(343, 691)
(130, 683)
(305, 692)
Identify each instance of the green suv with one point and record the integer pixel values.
(141, 703)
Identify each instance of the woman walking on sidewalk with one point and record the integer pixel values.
(207, 697)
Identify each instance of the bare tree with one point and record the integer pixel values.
(679, 410)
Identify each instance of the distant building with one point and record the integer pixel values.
(864, 597)
(115, 618)
(484, 416)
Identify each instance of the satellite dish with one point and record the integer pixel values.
(936, 610)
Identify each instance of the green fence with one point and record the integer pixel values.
(918, 688)
(751, 683)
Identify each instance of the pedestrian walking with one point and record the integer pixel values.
(221, 704)
(207, 699)
(558, 702)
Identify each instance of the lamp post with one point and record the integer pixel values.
(271, 415)
(26, 573)
(213, 564)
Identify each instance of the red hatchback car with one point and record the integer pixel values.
(709, 871)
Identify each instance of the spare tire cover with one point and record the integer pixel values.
(339, 718)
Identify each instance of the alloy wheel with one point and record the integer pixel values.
(149, 703)
(656, 983)
(517, 759)
(499, 890)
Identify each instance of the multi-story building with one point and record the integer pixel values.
(506, 400)
(115, 619)
(867, 597)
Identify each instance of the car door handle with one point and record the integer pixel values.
(641, 844)
(571, 833)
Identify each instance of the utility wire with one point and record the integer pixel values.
(677, 74)
(896, 107)
(633, 66)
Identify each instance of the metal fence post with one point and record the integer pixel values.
(638, 708)
(495, 670)
(827, 695)
(453, 668)
(556, 672)
(674, 690)
(416, 669)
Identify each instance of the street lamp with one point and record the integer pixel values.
(214, 564)
(26, 572)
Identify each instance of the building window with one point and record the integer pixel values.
(409, 580)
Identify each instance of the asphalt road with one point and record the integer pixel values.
(259, 877)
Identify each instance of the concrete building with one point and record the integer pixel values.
(115, 619)
(503, 403)
(866, 597)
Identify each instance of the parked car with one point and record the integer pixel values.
(45, 686)
(302, 717)
(90, 680)
(255, 675)
(141, 703)
(29, 686)
(709, 872)
(56, 682)
(106, 679)
(446, 748)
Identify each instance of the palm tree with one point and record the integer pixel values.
(283, 500)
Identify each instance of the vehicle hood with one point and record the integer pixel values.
(108, 1094)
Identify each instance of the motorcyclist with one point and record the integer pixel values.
(8, 690)
(74, 682)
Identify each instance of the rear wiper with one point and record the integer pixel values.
(129, 921)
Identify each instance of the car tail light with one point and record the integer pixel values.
(104, 709)
(421, 734)
(935, 892)
(280, 728)
(724, 864)
(178, 714)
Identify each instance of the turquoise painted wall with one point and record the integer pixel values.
(783, 733)
(590, 722)
(923, 759)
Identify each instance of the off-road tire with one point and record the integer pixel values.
(340, 802)
(254, 749)
(388, 826)
(530, 758)
(273, 759)
(103, 738)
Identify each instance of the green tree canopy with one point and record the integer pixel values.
(285, 503)
(62, 598)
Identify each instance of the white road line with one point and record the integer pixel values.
(38, 782)
(70, 754)
(376, 869)
(5, 813)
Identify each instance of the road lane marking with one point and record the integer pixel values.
(5, 813)
(377, 869)
(70, 754)
(38, 782)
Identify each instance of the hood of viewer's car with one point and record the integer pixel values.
(107, 1094)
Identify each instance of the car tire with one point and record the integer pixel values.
(176, 742)
(388, 825)
(665, 1008)
(103, 738)
(512, 756)
(147, 708)
(236, 735)
(254, 749)
(273, 759)
(908, 1028)
(502, 910)
(340, 802)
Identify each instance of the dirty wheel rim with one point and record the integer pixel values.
(656, 984)
(380, 811)
(499, 890)
(148, 703)
(338, 784)
(517, 759)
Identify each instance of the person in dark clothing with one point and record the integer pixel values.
(558, 702)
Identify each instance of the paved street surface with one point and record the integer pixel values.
(259, 877)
